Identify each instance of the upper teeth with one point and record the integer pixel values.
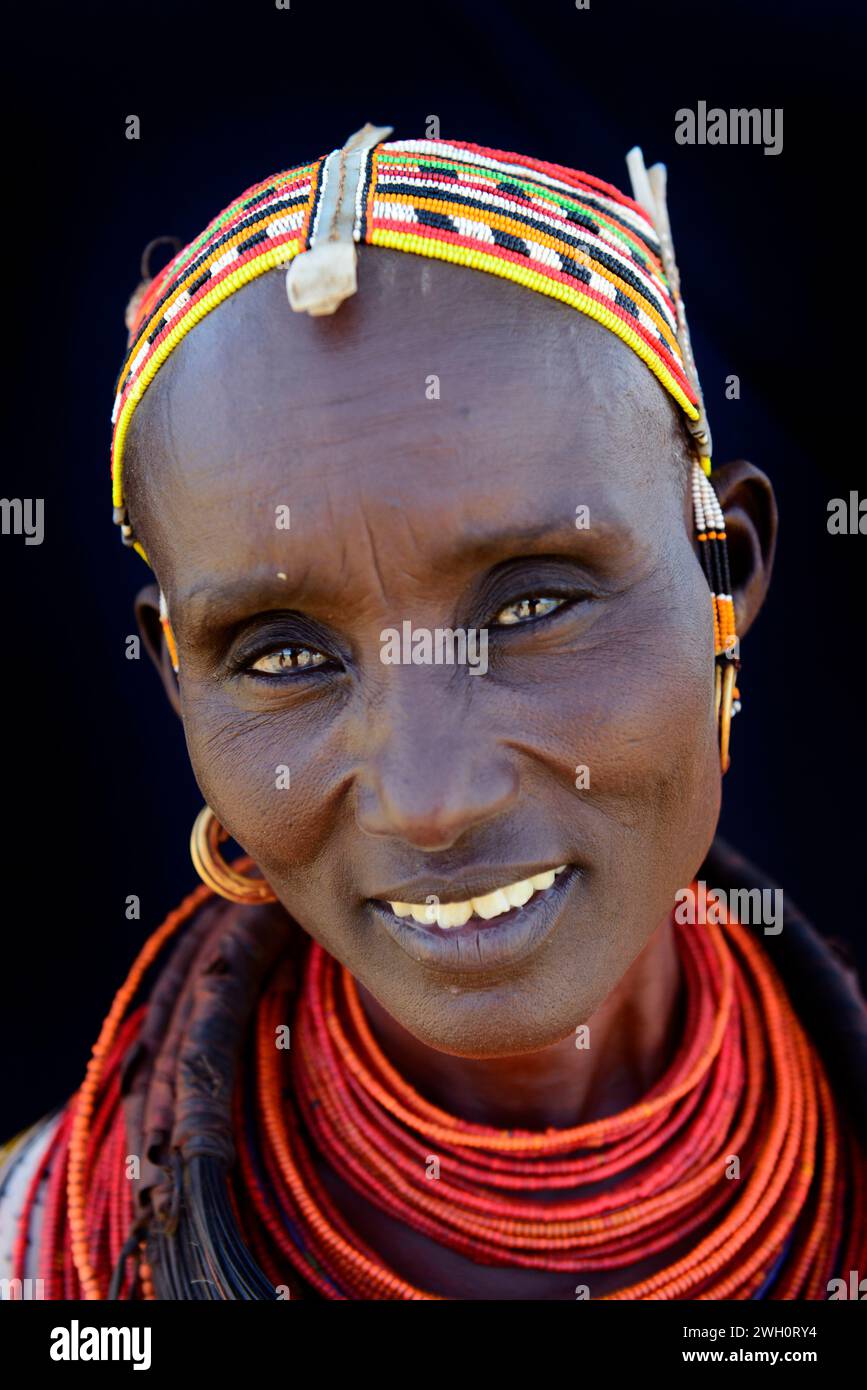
(491, 905)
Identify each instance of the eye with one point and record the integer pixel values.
(524, 610)
(288, 659)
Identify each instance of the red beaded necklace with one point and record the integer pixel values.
(745, 1084)
(734, 1177)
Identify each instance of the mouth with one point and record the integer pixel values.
(484, 931)
(450, 915)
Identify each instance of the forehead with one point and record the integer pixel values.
(436, 390)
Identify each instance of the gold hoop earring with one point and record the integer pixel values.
(220, 877)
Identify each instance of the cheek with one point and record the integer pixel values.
(656, 741)
(631, 715)
(272, 779)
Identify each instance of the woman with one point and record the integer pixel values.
(451, 613)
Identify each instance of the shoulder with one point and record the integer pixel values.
(22, 1159)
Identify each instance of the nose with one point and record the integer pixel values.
(433, 777)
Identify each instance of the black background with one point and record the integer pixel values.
(98, 798)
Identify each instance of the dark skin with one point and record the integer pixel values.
(448, 513)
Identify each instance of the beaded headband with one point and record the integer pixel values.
(555, 230)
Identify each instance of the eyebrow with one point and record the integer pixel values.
(600, 535)
(226, 602)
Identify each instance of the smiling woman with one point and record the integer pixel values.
(448, 1039)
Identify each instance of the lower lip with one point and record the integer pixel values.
(479, 947)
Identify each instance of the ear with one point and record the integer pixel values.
(750, 508)
(147, 613)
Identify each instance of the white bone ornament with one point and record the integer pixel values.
(319, 279)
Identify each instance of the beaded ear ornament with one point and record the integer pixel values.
(166, 626)
(649, 189)
(556, 230)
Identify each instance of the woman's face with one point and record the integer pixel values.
(432, 442)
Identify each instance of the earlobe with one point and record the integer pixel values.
(154, 637)
(747, 499)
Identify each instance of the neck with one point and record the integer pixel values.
(633, 1034)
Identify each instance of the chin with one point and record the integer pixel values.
(500, 1019)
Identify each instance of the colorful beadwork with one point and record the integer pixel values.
(555, 230)
(745, 1082)
(710, 529)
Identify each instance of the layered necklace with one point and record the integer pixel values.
(733, 1177)
(729, 1175)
